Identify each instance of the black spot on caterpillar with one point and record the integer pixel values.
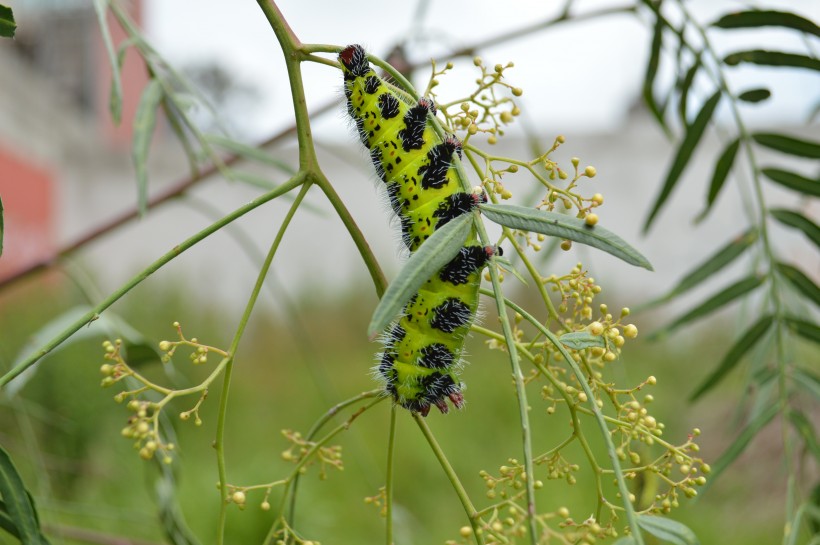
(422, 349)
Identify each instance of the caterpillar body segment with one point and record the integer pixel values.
(422, 349)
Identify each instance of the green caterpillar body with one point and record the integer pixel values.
(422, 350)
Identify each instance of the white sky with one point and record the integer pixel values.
(579, 76)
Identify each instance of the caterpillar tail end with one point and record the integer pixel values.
(457, 398)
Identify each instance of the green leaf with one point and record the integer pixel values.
(793, 181)
(716, 301)
(684, 85)
(807, 330)
(6, 523)
(713, 264)
(772, 58)
(693, 135)
(652, 71)
(144, 122)
(7, 24)
(736, 353)
(808, 381)
(559, 225)
(800, 281)
(578, 340)
(18, 503)
(668, 530)
(2, 228)
(742, 441)
(108, 325)
(805, 428)
(788, 144)
(755, 95)
(722, 168)
(435, 253)
(798, 221)
(115, 99)
(249, 152)
(761, 18)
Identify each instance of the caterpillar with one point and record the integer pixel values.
(422, 349)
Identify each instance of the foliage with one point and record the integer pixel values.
(562, 350)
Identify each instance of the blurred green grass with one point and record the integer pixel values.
(63, 430)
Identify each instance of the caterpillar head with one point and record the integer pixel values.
(353, 59)
(428, 104)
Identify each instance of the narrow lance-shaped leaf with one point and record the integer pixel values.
(712, 264)
(722, 168)
(788, 144)
(736, 353)
(668, 530)
(793, 181)
(18, 502)
(431, 256)
(761, 18)
(807, 330)
(249, 152)
(810, 382)
(7, 24)
(144, 122)
(800, 281)
(685, 86)
(718, 300)
(772, 58)
(559, 225)
(742, 441)
(798, 221)
(652, 70)
(115, 99)
(693, 135)
(755, 95)
(578, 340)
(805, 428)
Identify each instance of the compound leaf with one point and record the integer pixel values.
(431, 256)
(788, 144)
(144, 122)
(736, 449)
(800, 281)
(7, 24)
(115, 99)
(793, 181)
(578, 340)
(755, 95)
(761, 18)
(18, 504)
(718, 300)
(693, 135)
(559, 225)
(807, 330)
(722, 168)
(712, 265)
(772, 58)
(735, 354)
(668, 530)
(789, 218)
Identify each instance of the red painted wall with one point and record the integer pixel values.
(27, 191)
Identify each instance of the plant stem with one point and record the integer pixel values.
(94, 313)
(472, 514)
(219, 443)
(388, 477)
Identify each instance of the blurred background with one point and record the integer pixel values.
(66, 170)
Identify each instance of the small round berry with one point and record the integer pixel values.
(596, 328)
(164, 346)
(590, 172)
(517, 91)
(598, 199)
(566, 245)
(591, 219)
(238, 497)
(465, 531)
(630, 331)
